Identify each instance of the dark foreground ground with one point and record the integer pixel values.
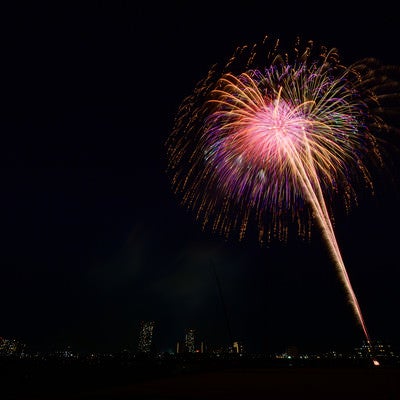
(228, 381)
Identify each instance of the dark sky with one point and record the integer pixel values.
(93, 240)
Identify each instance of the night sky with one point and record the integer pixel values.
(92, 238)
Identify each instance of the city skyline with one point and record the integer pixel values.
(191, 341)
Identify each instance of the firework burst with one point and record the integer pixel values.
(270, 138)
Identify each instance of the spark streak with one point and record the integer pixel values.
(317, 203)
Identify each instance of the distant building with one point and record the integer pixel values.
(376, 349)
(178, 349)
(190, 340)
(238, 348)
(202, 347)
(11, 347)
(292, 351)
(146, 336)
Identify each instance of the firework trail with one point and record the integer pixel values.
(271, 138)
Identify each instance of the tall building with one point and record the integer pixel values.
(237, 347)
(145, 336)
(178, 348)
(190, 340)
(202, 347)
(292, 351)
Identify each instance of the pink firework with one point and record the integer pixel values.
(273, 143)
